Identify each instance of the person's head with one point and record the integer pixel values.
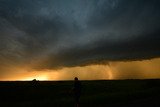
(76, 78)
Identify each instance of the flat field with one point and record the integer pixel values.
(100, 93)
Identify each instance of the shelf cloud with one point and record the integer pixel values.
(53, 34)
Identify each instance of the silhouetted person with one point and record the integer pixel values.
(77, 90)
(34, 82)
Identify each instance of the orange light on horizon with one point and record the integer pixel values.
(42, 77)
(146, 69)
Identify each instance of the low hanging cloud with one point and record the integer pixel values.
(54, 34)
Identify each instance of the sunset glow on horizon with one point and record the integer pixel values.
(147, 69)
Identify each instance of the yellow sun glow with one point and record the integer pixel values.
(146, 69)
(42, 77)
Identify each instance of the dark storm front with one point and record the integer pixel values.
(116, 93)
(60, 33)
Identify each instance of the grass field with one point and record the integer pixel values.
(112, 93)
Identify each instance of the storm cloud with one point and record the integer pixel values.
(50, 34)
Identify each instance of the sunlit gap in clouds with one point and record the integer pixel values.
(91, 72)
(145, 69)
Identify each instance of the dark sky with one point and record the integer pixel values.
(51, 34)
